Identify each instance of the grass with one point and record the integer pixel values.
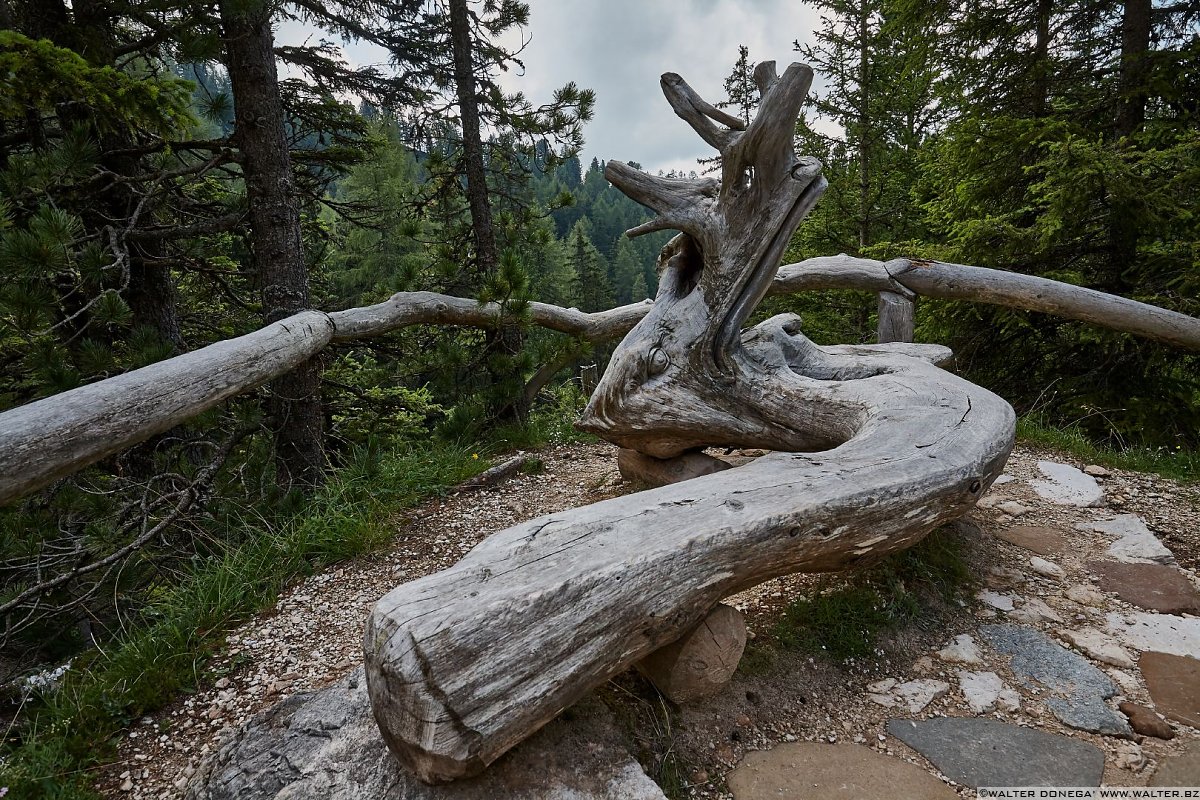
(845, 617)
(1178, 464)
(651, 724)
(64, 734)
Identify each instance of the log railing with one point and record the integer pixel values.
(53, 437)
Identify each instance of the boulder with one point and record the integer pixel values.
(703, 661)
(327, 745)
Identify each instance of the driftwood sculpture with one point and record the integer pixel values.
(878, 447)
(875, 446)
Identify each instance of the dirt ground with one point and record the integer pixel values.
(312, 637)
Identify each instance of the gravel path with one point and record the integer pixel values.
(312, 636)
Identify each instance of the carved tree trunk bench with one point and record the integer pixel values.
(875, 446)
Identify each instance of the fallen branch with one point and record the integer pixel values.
(494, 475)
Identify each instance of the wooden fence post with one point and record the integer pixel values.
(896, 320)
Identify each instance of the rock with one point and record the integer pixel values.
(327, 745)
(1067, 486)
(127, 785)
(702, 662)
(1124, 680)
(1164, 633)
(1009, 699)
(1038, 538)
(1085, 596)
(1047, 569)
(1174, 685)
(1002, 479)
(885, 700)
(223, 683)
(1098, 645)
(1001, 577)
(924, 665)
(813, 771)
(1013, 508)
(921, 692)
(985, 752)
(981, 690)
(1129, 756)
(1000, 602)
(1135, 543)
(881, 687)
(1144, 721)
(1081, 687)
(1180, 770)
(962, 650)
(1154, 587)
(1034, 611)
(635, 466)
(1096, 471)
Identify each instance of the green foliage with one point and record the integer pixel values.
(69, 730)
(373, 406)
(1005, 141)
(36, 75)
(594, 290)
(845, 616)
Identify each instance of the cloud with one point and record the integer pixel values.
(620, 47)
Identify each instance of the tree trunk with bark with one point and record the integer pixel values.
(507, 339)
(294, 406)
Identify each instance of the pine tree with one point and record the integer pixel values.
(881, 66)
(1068, 159)
(594, 291)
(740, 90)
(627, 272)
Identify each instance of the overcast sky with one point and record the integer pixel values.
(618, 48)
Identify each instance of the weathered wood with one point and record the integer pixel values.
(701, 662)
(463, 664)
(75, 420)
(493, 475)
(53, 437)
(635, 466)
(896, 318)
(997, 287)
(50, 438)
(405, 309)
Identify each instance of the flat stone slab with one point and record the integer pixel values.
(1080, 686)
(1163, 633)
(327, 745)
(1174, 686)
(1154, 587)
(1135, 542)
(986, 752)
(1180, 770)
(814, 771)
(1098, 645)
(1067, 486)
(1040, 539)
(1000, 602)
(961, 650)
